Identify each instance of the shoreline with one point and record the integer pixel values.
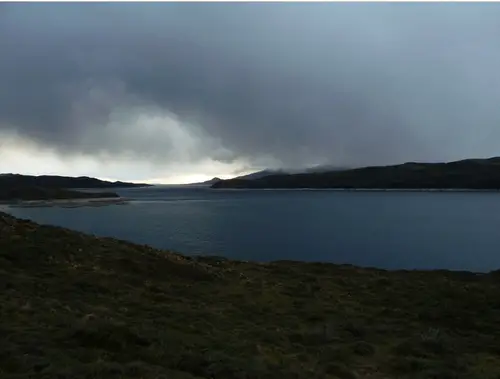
(66, 203)
(106, 307)
(363, 189)
(219, 259)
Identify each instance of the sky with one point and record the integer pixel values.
(181, 92)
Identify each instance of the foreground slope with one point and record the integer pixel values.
(77, 306)
(465, 174)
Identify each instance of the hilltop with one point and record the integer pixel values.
(77, 306)
(478, 174)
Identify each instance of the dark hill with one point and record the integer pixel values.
(74, 306)
(465, 174)
(50, 181)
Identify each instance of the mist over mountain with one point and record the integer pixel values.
(469, 174)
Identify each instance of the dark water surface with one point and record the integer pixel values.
(411, 230)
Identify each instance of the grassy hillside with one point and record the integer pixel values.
(77, 306)
(465, 174)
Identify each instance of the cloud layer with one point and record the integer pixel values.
(253, 84)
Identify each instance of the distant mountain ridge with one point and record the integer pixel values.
(206, 182)
(54, 181)
(260, 174)
(480, 174)
(269, 172)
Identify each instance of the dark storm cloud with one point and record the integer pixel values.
(302, 83)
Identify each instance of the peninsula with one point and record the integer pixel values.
(41, 193)
(79, 306)
(471, 174)
(52, 181)
(23, 190)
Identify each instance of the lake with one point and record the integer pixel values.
(393, 230)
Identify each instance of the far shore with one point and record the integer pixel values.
(66, 203)
(359, 189)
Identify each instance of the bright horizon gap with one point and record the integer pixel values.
(186, 179)
(21, 156)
